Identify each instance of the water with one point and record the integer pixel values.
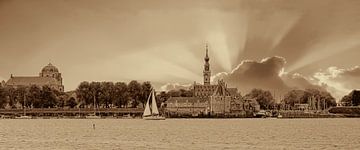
(126, 134)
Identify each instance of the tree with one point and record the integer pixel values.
(134, 89)
(83, 93)
(3, 96)
(346, 100)
(145, 92)
(352, 99)
(174, 93)
(294, 96)
(185, 93)
(48, 97)
(34, 97)
(264, 98)
(11, 94)
(163, 96)
(321, 99)
(121, 94)
(71, 103)
(95, 91)
(106, 93)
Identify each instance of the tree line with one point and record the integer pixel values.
(266, 101)
(109, 94)
(31, 97)
(135, 94)
(101, 94)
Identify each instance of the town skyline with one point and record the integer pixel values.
(294, 45)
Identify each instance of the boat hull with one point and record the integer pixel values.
(92, 117)
(23, 117)
(154, 118)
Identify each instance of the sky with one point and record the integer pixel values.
(276, 45)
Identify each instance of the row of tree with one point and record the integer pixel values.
(134, 94)
(31, 97)
(316, 98)
(88, 94)
(109, 94)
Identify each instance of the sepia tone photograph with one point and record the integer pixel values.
(179, 74)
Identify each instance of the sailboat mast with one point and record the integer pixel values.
(94, 105)
(24, 103)
(154, 109)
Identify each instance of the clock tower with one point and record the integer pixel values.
(207, 72)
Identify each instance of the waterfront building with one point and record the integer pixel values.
(221, 99)
(2, 83)
(207, 89)
(209, 98)
(187, 105)
(49, 76)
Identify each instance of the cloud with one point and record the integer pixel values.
(339, 81)
(252, 74)
(267, 74)
(298, 81)
(174, 86)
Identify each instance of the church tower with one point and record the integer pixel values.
(207, 72)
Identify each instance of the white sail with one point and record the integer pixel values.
(154, 108)
(147, 108)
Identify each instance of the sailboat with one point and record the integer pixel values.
(93, 116)
(153, 113)
(24, 115)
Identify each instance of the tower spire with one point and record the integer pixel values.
(207, 53)
(207, 72)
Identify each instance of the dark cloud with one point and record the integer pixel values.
(267, 74)
(252, 74)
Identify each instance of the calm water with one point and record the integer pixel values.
(180, 134)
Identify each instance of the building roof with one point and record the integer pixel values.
(186, 99)
(232, 91)
(26, 81)
(50, 68)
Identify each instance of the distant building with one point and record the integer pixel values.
(208, 98)
(220, 100)
(207, 89)
(49, 76)
(187, 105)
(2, 83)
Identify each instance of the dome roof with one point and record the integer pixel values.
(49, 68)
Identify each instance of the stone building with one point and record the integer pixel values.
(187, 105)
(221, 99)
(207, 97)
(49, 76)
(207, 89)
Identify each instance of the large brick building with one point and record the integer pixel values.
(49, 76)
(208, 98)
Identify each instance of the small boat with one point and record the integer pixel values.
(23, 117)
(279, 116)
(92, 116)
(260, 114)
(128, 116)
(153, 113)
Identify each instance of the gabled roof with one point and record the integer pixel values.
(186, 99)
(26, 81)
